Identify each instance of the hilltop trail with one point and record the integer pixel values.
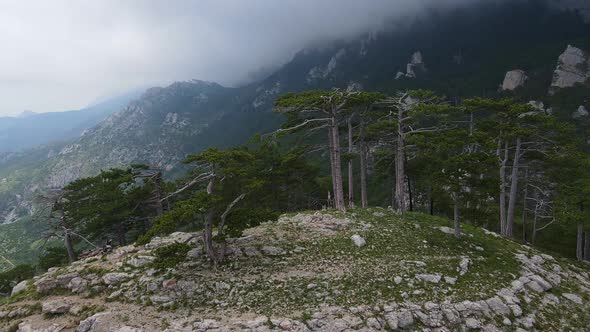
(366, 270)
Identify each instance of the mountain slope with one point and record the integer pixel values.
(367, 270)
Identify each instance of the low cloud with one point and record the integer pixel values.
(63, 54)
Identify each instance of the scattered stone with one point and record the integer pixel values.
(472, 323)
(358, 240)
(272, 251)
(140, 261)
(497, 306)
(46, 284)
(433, 278)
(78, 285)
(573, 297)
(115, 278)
(398, 280)
(56, 307)
(446, 230)
(464, 265)
(450, 280)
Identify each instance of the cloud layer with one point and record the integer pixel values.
(63, 54)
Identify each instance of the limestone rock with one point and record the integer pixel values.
(56, 307)
(77, 285)
(572, 68)
(20, 287)
(272, 251)
(580, 112)
(114, 278)
(433, 278)
(358, 240)
(573, 297)
(46, 284)
(514, 79)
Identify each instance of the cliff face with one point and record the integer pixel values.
(365, 271)
(573, 67)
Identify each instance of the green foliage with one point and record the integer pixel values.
(12, 277)
(170, 256)
(244, 218)
(53, 257)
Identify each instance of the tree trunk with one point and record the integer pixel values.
(208, 229)
(587, 246)
(350, 173)
(580, 242)
(410, 194)
(524, 205)
(332, 171)
(338, 187)
(363, 161)
(503, 186)
(400, 171)
(456, 215)
(513, 189)
(121, 233)
(535, 218)
(69, 246)
(158, 190)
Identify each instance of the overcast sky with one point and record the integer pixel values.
(64, 54)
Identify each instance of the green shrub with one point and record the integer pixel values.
(244, 218)
(170, 256)
(53, 257)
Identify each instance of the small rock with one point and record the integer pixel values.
(450, 280)
(358, 240)
(433, 278)
(573, 297)
(115, 278)
(398, 280)
(472, 323)
(272, 251)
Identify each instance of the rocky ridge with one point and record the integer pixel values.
(368, 270)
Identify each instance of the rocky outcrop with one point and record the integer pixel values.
(513, 80)
(414, 68)
(573, 67)
(581, 112)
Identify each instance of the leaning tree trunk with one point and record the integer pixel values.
(400, 171)
(69, 246)
(580, 242)
(350, 175)
(503, 187)
(524, 205)
(208, 229)
(363, 161)
(456, 221)
(158, 193)
(513, 189)
(337, 179)
(587, 246)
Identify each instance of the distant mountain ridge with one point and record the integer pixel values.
(31, 129)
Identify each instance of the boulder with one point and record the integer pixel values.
(78, 285)
(56, 307)
(98, 322)
(46, 284)
(20, 287)
(514, 79)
